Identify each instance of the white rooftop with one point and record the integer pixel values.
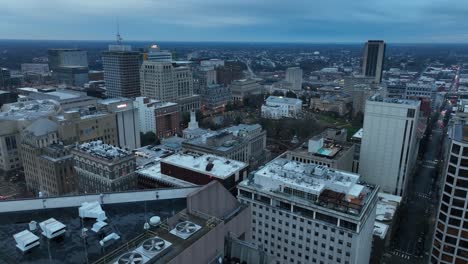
(99, 149)
(309, 178)
(154, 172)
(387, 206)
(29, 110)
(222, 167)
(282, 100)
(380, 230)
(358, 134)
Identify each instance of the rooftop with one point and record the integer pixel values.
(282, 100)
(387, 205)
(151, 154)
(99, 149)
(29, 110)
(154, 172)
(337, 190)
(358, 134)
(378, 98)
(220, 168)
(380, 230)
(125, 219)
(42, 127)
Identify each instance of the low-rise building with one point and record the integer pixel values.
(246, 143)
(215, 97)
(68, 99)
(243, 88)
(335, 103)
(161, 118)
(104, 168)
(325, 151)
(277, 107)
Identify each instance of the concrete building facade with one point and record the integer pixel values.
(389, 143)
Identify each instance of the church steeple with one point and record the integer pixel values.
(193, 124)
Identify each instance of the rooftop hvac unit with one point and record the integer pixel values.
(52, 228)
(98, 226)
(153, 247)
(92, 210)
(132, 257)
(155, 220)
(185, 229)
(25, 240)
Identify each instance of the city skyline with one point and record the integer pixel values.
(262, 21)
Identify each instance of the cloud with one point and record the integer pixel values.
(244, 20)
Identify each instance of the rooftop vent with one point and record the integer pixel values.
(25, 240)
(185, 229)
(209, 166)
(109, 239)
(92, 210)
(153, 247)
(52, 228)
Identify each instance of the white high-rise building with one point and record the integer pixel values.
(308, 213)
(162, 81)
(294, 77)
(389, 143)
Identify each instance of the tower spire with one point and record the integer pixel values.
(119, 38)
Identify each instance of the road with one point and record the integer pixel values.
(413, 238)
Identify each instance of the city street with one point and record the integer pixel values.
(412, 239)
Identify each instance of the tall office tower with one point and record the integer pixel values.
(69, 66)
(373, 60)
(156, 54)
(127, 120)
(450, 241)
(294, 77)
(307, 213)
(121, 71)
(162, 81)
(104, 168)
(389, 143)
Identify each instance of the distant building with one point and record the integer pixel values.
(243, 88)
(212, 63)
(232, 70)
(215, 97)
(339, 104)
(121, 71)
(202, 77)
(389, 143)
(351, 81)
(156, 54)
(40, 69)
(69, 66)
(104, 168)
(373, 60)
(68, 99)
(158, 117)
(14, 118)
(162, 81)
(356, 139)
(127, 119)
(246, 143)
(326, 151)
(361, 92)
(7, 97)
(276, 107)
(87, 125)
(294, 76)
(48, 166)
(313, 214)
(421, 90)
(5, 79)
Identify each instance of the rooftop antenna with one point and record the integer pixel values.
(119, 38)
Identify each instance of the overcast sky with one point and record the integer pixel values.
(239, 20)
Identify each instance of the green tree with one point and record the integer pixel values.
(148, 138)
(291, 94)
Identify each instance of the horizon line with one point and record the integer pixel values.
(242, 41)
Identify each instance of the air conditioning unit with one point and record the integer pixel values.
(52, 228)
(185, 229)
(131, 257)
(153, 247)
(92, 210)
(98, 226)
(25, 240)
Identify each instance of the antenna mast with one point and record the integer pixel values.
(119, 38)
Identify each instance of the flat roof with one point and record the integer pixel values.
(29, 110)
(99, 149)
(154, 172)
(124, 219)
(149, 154)
(222, 167)
(283, 100)
(380, 230)
(358, 134)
